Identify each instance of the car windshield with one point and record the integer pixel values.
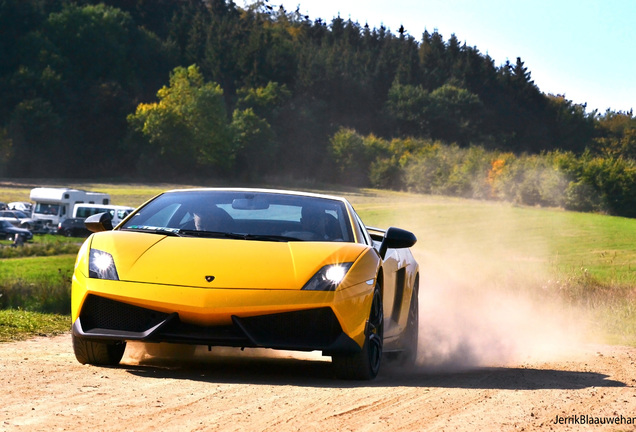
(47, 209)
(245, 215)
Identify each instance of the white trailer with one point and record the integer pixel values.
(53, 205)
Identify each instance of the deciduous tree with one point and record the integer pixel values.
(188, 127)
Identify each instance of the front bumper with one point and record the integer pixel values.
(303, 330)
(332, 322)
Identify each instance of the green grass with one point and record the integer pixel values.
(37, 284)
(586, 260)
(36, 269)
(20, 324)
(42, 245)
(559, 242)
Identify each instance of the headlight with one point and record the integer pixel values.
(101, 265)
(328, 277)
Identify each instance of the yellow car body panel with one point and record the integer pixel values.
(167, 274)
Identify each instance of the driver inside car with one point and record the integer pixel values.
(212, 218)
(320, 223)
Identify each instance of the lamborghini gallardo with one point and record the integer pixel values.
(247, 268)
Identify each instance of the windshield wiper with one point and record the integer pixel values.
(175, 232)
(211, 234)
(155, 230)
(236, 236)
(267, 237)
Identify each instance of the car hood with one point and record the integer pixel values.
(221, 263)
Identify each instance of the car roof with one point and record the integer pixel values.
(262, 190)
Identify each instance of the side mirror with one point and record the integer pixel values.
(396, 238)
(99, 222)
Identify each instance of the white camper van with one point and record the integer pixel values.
(56, 204)
(117, 212)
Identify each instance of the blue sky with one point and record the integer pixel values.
(583, 49)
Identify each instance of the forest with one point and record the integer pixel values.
(207, 89)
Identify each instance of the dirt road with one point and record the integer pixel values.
(44, 388)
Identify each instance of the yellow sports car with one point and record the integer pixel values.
(247, 268)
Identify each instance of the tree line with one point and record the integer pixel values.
(182, 88)
(556, 178)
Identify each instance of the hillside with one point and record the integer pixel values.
(171, 89)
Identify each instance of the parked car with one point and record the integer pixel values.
(73, 227)
(8, 231)
(117, 212)
(21, 206)
(19, 219)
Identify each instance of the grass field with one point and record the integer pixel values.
(583, 260)
(20, 324)
(565, 243)
(37, 269)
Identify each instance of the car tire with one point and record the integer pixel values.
(98, 353)
(365, 365)
(410, 337)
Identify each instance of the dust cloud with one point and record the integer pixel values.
(469, 321)
(487, 300)
(168, 355)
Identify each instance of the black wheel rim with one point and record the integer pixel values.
(412, 338)
(414, 315)
(376, 332)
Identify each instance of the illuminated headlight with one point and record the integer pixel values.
(101, 265)
(328, 277)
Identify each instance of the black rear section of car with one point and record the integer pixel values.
(73, 227)
(304, 330)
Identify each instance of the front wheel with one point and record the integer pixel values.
(97, 352)
(365, 364)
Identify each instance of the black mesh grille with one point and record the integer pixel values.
(310, 328)
(99, 312)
